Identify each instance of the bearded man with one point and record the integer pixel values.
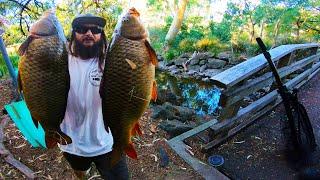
(83, 120)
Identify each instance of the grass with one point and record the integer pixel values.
(4, 72)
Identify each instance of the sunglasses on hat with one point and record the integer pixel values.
(83, 30)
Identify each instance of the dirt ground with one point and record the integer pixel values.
(50, 164)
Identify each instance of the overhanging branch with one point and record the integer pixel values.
(312, 28)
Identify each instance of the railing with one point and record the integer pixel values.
(300, 61)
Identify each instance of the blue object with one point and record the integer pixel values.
(164, 158)
(8, 62)
(216, 160)
(20, 114)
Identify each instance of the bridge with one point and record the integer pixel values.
(296, 63)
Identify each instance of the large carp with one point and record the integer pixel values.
(43, 76)
(128, 82)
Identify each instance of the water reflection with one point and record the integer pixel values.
(200, 96)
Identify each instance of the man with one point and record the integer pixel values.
(83, 121)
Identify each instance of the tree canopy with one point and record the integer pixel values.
(276, 21)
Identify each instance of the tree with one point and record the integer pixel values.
(22, 13)
(177, 22)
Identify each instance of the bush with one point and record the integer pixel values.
(241, 44)
(208, 44)
(220, 30)
(171, 54)
(187, 45)
(290, 40)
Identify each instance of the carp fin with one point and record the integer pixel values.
(131, 63)
(24, 46)
(152, 53)
(50, 142)
(131, 152)
(63, 138)
(154, 93)
(54, 137)
(101, 88)
(19, 83)
(136, 130)
(106, 127)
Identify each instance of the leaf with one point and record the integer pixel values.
(239, 142)
(155, 157)
(153, 128)
(20, 146)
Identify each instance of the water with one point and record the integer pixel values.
(201, 96)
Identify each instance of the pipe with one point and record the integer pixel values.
(8, 62)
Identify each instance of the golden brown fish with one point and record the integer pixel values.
(44, 77)
(128, 82)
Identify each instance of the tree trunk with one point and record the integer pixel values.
(261, 28)
(252, 32)
(177, 22)
(298, 23)
(276, 32)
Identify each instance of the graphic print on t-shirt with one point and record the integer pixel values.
(95, 76)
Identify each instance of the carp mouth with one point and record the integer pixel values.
(134, 12)
(132, 27)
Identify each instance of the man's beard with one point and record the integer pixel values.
(87, 52)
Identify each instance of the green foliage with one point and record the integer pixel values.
(242, 45)
(157, 36)
(206, 43)
(221, 30)
(276, 21)
(170, 54)
(14, 58)
(66, 11)
(292, 40)
(13, 35)
(190, 32)
(187, 45)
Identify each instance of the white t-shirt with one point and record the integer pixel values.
(83, 120)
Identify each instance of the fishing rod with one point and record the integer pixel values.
(302, 135)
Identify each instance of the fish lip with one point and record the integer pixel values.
(134, 12)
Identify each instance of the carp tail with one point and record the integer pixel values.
(136, 130)
(154, 93)
(130, 151)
